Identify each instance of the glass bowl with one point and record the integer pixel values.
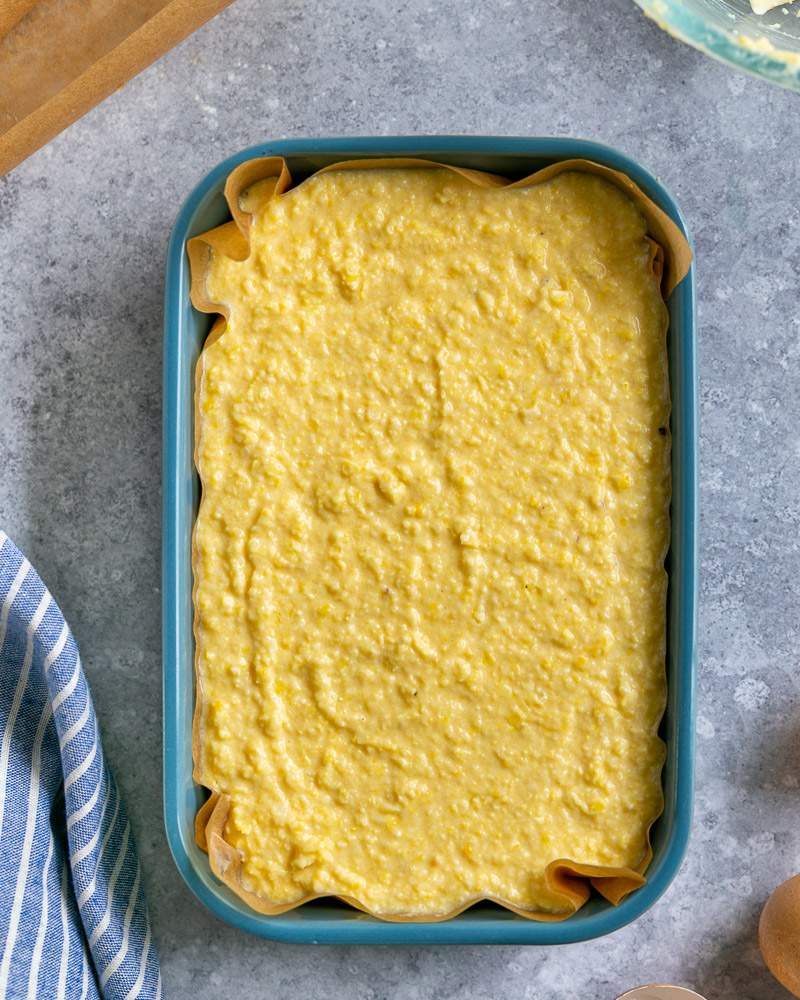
(767, 45)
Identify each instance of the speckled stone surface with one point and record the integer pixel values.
(83, 231)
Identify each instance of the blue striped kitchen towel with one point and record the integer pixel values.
(73, 917)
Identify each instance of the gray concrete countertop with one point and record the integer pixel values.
(83, 232)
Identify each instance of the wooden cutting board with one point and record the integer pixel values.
(58, 58)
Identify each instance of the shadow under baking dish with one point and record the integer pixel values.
(329, 921)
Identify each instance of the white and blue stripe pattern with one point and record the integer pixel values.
(73, 918)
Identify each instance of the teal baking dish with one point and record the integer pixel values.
(328, 921)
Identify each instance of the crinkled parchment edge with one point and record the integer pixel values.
(671, 261)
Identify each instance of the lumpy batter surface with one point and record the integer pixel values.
(430, 591)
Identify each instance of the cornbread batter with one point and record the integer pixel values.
(430, 591)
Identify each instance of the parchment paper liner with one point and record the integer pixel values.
(671, 259)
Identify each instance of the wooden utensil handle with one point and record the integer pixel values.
(69, 54)
(12, 11)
